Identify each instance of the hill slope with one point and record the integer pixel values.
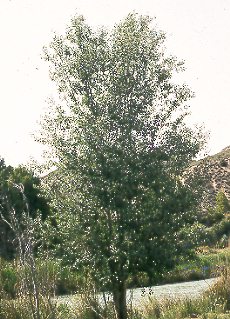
(216, 170)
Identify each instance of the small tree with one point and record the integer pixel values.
(119, 140)
(222, 203)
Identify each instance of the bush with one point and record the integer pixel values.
(8, 279)
(222, 228)
(222, 203)
(193, 236)
(69, 282)
(211, 217)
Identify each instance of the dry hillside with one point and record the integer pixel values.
(216, 170)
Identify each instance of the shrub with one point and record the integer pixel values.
(68, 282)
(9, 280)
(19, 309)
(222, 203)
(222, 228)
(211, 217)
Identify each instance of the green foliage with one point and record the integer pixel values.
(216, 222)
(51, 274)
(195, 235)
(211, 217)
(8, 280)
(11, 196)
(69, 282)
(121, 147)
(19, 309)
(222, 203)
(222, 228)
(206, 264)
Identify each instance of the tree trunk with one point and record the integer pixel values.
(119, 297)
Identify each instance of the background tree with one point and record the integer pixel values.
(119, 138)
(11, 197)
(222, 203)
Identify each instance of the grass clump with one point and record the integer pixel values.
(19, 309)
(213, 304)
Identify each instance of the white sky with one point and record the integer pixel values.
(198, 31)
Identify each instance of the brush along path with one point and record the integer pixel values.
(190, 289)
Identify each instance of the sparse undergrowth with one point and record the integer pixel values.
(210, 262)
(214, 304)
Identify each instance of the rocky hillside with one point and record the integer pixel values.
(216, 170)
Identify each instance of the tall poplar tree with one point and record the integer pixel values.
(118, 137)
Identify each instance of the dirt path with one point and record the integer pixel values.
(190, 289)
